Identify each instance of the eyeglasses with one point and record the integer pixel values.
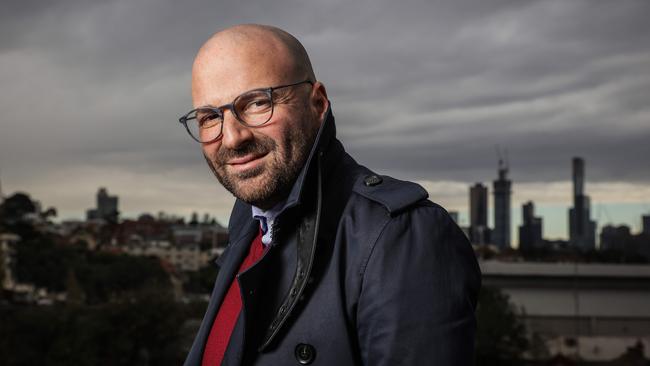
(252, 109)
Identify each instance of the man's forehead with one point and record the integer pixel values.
(219, 83)
(223, 70)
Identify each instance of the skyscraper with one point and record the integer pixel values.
(106, 207)
(502, 192)
(616, 238)
(646, 224)
(580, 202)
(478, 207)
(2, 197)
(530, 231)
(582, 230)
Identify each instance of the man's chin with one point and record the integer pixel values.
(252, 187)
(249, 174)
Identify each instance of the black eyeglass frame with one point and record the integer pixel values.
(231, 106)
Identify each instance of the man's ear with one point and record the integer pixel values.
(319, 102)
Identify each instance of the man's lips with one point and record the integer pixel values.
(245, 159)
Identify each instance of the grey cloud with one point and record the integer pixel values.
(421, 89)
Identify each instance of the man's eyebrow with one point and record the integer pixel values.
(262, 88)
(209, 105)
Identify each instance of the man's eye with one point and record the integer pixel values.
(257, 105)
(208, 120)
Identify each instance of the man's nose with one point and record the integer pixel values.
(234, 134)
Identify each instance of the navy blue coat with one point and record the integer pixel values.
(363, 270)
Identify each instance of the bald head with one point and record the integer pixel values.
(250, 56)
(258, 163)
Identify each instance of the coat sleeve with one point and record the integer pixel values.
(419, 291)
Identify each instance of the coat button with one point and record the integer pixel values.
(372, 180)
(305, 353)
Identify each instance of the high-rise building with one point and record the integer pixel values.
(582, 230)
(478, 210)
(530, 231)
(580, 202)
(502, 192)
(106, 207)
(615, 238)
(646, 224)
(2, 197)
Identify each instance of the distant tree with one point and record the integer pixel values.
(537, 348)
(501, 337)
(202, 281)
(108, 334)
(195, 219)
(74, 293)
(38, 261)
(109, 277)
(50, 212)
(2, 272)
(17, 205)
(102, 276)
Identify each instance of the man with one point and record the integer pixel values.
(328, 262)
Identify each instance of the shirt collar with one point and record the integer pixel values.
(266, 219)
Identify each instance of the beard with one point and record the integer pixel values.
(266, 184)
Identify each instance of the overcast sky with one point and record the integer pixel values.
(422, 90)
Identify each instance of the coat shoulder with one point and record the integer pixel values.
(393, 194)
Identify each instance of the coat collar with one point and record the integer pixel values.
(326, 133)
(240, 217)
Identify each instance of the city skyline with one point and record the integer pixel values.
(421, 91)
(480, 212)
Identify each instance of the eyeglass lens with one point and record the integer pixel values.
(252, 109)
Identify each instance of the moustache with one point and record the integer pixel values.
(260, 146)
